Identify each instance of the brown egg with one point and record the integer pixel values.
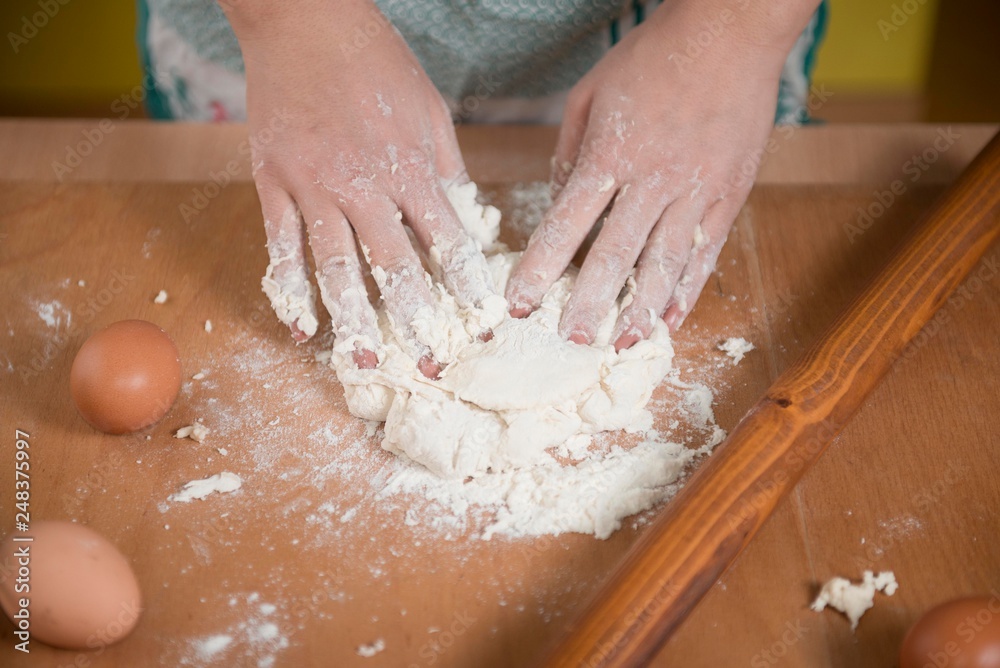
(125, 376)
(81, 592)
(964, 633)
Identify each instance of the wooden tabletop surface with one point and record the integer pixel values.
(303, 565)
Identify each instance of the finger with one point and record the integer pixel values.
(286, 281)
(396, 269)
(342, 287)
(447, 155)
(571, 132)
(455, 253)
(562, 230)
(715, 230)
(610, 259)
(659, 268)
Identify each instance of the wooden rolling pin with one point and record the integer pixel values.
(700, 533)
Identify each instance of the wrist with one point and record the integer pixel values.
(263, 20)
(752, 30)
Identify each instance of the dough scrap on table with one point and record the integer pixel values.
(196, 431)
(854, 600)
(219, 483)
(736, 348)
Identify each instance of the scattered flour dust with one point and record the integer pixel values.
(492, 432)
(315, 480)
(54, 314)
(256, 640)
(368, 651)
(854, 600)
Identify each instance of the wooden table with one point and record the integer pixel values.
(912, 485)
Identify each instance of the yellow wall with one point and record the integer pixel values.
(76, 64)
(85, 56)
(863, 55)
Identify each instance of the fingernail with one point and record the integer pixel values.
(486, 336)
(520, 311)
(365, 359)
(626, 340)
(297, 334)
(429, 367)
(579, 338)
(673, 317)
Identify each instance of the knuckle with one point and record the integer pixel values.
(668, 261)
(337, 268)
(637, 318)
(551, 236)
(614, 255)
(267, 177)
(402, 267)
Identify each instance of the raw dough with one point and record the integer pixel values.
(854, 600)
(500, 405)
(196, 431)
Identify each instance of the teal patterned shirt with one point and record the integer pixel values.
(514, 48)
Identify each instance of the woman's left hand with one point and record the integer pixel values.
(671, 138)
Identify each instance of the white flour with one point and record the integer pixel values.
(368, 651)
(507, 425)
(315, 484)
(255, 641)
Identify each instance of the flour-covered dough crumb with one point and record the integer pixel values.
(855, 599)
(370, 650)
(196, 431)
(736, 348)
(199, 489)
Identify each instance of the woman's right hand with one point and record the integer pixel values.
(366, 142)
